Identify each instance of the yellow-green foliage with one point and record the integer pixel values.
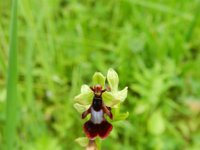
(153, 45)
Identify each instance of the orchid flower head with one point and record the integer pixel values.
(100, 100)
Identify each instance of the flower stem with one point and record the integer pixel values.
(92, 145)
(98, 143)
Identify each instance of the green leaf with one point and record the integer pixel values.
(12, 103)
(109, 99)
(113, 80)
(156, 123)
(82, 141)
(98, 78)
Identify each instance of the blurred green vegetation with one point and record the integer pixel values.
(154, 46)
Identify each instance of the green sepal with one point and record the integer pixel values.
(85, 88)
(98, 78)
(82, 141)
(81, 108)
(121, 95)
(85, 98)
(113, 80)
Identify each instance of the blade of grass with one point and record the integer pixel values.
(193, 23)
(11, 106)
(162, 8)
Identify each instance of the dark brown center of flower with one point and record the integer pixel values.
(97, 103)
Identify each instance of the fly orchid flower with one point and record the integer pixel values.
(98, 100)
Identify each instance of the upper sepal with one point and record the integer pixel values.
(98, 78)
(113, 80)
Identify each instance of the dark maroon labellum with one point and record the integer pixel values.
(97, 125)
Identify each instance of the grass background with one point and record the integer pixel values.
(154, 46)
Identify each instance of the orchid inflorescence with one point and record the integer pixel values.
(98, 100)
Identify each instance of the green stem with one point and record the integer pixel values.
(94, 144)
(11, 106)
(98, 143)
